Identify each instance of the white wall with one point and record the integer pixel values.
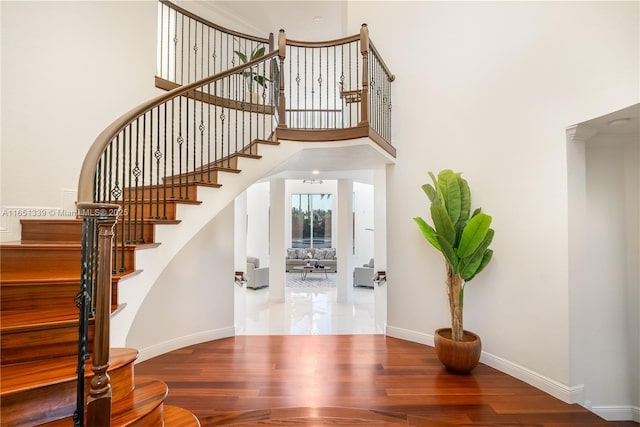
(190, 301)
(364, 224)
(606, 300)
(257, 234)
(68, 70)
(488, 89)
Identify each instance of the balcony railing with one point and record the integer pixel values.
(226, 92)
(335, 85)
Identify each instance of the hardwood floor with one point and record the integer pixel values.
(347, 380)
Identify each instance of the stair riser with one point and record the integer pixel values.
(205, 177)
(50, 403)
(72, 232)
(38, 296)
(53, 261)
(149, 210)
(186, 192)
(35, 296)
(41, 343)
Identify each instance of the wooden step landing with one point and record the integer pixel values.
(175, 416)
(42, 391)
(143, 406)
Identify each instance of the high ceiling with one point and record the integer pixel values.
(307, 20)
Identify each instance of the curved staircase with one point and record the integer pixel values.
(39, 336)
(186, 148)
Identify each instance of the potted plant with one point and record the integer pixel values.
(463, 238)
(251, 77)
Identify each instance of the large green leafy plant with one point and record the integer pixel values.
(462, 237)
(249, 75)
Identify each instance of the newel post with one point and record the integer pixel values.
(99, 399)
(364, 97)
(282, 53)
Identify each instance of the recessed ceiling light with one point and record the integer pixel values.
(315, 172)
(619, 122)
(318, 19)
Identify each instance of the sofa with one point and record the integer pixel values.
(257, 277)
(363, 276)
(326, 257)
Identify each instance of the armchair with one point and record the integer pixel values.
(257, 277)
(363, 276)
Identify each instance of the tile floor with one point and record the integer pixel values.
(309, 309)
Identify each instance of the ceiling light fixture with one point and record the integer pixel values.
(318, 19)
(315, 172)
(312, 181)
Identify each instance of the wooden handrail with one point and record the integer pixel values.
(211, 24)
(330, 43)
(388, 72)
(85, 182)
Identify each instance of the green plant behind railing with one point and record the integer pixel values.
(249, 75)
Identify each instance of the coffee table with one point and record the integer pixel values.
(304, 270)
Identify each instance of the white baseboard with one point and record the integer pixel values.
(409, 335)
(552, 387)
(174, 344)
(618, 412)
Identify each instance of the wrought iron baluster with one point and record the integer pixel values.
(164, 167)
(209, 134)
(136, 173)
(158, 155)
(186, 151)
(180, 142)
(120, 218)
(83, 303)
(143, 171)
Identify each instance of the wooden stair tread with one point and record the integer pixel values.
(44, 245)
(147, 396)
(175, 416)
(158, 201)
(35, 319)
(45, 278)
(31, 375)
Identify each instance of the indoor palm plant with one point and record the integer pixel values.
(463, 238)
(252, 78)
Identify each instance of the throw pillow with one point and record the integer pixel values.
(321, 253)
(302, 253)
(292, 253)
(331, 253)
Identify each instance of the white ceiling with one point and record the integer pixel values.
(621, 126)
(306, 20)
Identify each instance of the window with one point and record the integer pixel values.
(311, 220)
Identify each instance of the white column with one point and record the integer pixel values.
(277, 246)
(344, 241)
(380, 246)
(240, 259)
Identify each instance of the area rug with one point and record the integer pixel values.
(313, 280)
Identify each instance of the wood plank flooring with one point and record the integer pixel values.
(314, 380)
